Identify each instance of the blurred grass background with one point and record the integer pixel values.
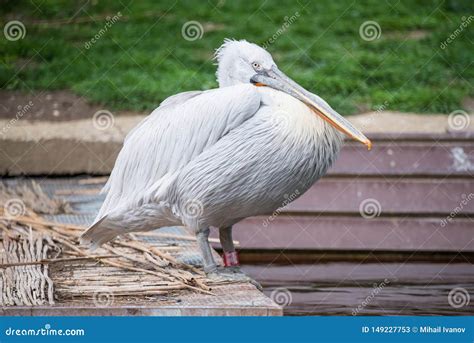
(143, 58)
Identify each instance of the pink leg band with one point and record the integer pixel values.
(231, 259)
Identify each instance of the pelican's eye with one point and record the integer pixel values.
(257, 66)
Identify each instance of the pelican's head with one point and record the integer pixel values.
(244, 62)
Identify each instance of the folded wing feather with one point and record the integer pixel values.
(172, 135)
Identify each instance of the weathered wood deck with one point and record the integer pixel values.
(227, 299)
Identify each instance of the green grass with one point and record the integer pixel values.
(143, 58)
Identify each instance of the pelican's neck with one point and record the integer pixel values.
(226, 79)
(296, 112)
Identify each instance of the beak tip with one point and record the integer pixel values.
(368, 143)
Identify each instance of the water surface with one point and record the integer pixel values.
(370, 288)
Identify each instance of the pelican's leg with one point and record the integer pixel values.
(231, 270)
(212, 271)
(230, 256)
(209, 264)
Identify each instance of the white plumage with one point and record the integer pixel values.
(212, 158)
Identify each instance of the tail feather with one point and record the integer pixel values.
(144, 218)
(99, 233)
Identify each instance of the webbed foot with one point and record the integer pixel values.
(231, 274)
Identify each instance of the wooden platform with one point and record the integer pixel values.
(227, 299)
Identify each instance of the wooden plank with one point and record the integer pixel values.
(338, 232)
(390, 196)
(229, 300)
(279, 257)
(453, 136)
(430, 158)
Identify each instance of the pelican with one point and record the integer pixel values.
(211, 158)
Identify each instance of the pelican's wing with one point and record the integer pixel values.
(172, 135)
(172, 100)
(180, 98)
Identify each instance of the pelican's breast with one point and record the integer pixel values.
(282, 150)
(306, 144)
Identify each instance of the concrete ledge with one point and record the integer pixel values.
(83, 146)
(61, 148)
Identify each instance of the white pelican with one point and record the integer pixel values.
(211, 158)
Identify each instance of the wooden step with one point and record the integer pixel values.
(349, 233)
(386, 196)
(423, 155)
(412, 193)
